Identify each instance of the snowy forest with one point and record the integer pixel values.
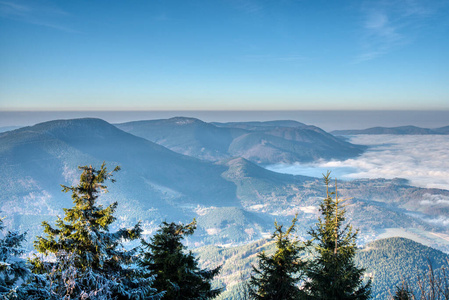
(79, 258)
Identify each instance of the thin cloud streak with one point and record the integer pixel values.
(13, 9)
(388, 25)
(36, 15)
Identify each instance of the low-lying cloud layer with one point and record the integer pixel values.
(422, 159)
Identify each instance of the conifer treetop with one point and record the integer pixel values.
(83, 237)
(332, 273)
(85, 225)
(277, 276)
(176, 269)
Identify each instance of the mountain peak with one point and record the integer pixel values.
(184, 120)
(262, 125)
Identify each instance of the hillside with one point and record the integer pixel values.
(390, 261)
(234, 200)
(261, 142)
(97, 139)
(187, 136)
(34, 161)
(377, 206)
(387, 262)
(288, 145)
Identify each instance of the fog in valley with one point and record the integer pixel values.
(422, 159)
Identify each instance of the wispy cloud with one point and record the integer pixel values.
(32, 13)
(388, 25)
(13, 9)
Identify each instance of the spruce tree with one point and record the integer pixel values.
(277, 276)
(90, 262)
(403, 293)
(332, 273)
(176, 270)
(12, 268)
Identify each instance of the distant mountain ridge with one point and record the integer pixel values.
(260, 142)
(401, 130)
(103, 141)
(9, 128)
(260, 125)
(234, 199)
(35, 160)
(188, 136)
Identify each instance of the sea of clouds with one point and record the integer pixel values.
(422, 159)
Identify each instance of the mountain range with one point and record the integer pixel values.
(412, 130)
(260, 142)
(234, 199)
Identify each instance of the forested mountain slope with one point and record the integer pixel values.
(387, 261)
(234, 200)
(393, 260)
(261, 142)
(154, 181)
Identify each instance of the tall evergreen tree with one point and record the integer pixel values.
(278, 275)
(332, 273)
(90, 260)
(12, 268)
(177, 272)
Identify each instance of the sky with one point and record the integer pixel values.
(224, 55)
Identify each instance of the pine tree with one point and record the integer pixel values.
(12, 268)
(89, 260)
(332, 273)
(177, 272)
(277, 276)
(403, 293)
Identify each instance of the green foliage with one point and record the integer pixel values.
(332, 273)
(177, 272)
(403, 293)
(278, 275)
(99, 263)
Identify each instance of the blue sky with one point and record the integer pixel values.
(224, 55)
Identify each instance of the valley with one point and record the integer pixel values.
(182, 168)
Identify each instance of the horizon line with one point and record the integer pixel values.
(219, 110)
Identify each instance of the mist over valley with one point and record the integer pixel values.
(222, 173)
(421, 159)
(235, 178)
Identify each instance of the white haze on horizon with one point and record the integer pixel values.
(422, 159)
(325, 119)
